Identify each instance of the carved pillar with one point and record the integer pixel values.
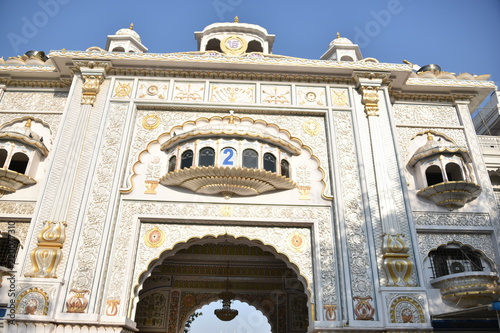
(397, 264)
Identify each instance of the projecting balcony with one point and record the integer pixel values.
(468, 289)
(454, 194)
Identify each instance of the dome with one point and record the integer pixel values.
(432, 147)
(340, 41)
(25, 134)
(129, 32)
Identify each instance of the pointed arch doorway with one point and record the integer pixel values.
(193, 274)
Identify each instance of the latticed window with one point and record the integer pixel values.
(285, 168)
(269, 162)
(8, 251)
(207, 157)
(172, 163)
(250, 159)
(446, 260)
(187, 159)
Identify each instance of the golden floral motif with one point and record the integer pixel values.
(154, 237)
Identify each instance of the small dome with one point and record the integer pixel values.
(433, 147)
(129, 32)
(24, 133)
(340, 41)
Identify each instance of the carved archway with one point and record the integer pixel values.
(192, 275)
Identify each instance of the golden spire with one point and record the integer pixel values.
(28, 122)
(236, 19)
(231, 117)
(338, 34)
(430, 137)
(131, 26)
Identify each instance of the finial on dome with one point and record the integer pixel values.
(338, 34)
(236, 19)
(231, 117)
(430, 137)
(131, 26)
(28, 123)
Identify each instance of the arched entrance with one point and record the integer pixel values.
(193, 274)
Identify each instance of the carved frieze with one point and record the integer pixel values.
(409, 114)
(17, 207)
(451, 219)
(33, 101)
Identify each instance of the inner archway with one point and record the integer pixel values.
(194, 276)
(249, 319)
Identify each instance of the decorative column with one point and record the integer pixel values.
(397, 264)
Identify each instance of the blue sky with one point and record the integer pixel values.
(459, 35)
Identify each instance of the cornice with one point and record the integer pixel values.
(190, 57)
(450, 83)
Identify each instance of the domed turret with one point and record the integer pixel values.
(235, 38)
(125, 40)
(342, 49)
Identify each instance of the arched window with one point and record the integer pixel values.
(454, 259)
(454, 172)
(187, 159)
(172, 162)
(19, 162)
(346, 58)
(254, 46)
(213, 45)
(433, 175)
(285, 168)
(118, 49)
(3, 157)
(207, 157)
(8, 251)
(269, 162)
(250, 159)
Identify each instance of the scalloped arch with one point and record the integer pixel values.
(260, 122)
(212, 238)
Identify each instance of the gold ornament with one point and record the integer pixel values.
(154, 237)
(150, 122)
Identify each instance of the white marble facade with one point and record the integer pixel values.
(353, 227)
